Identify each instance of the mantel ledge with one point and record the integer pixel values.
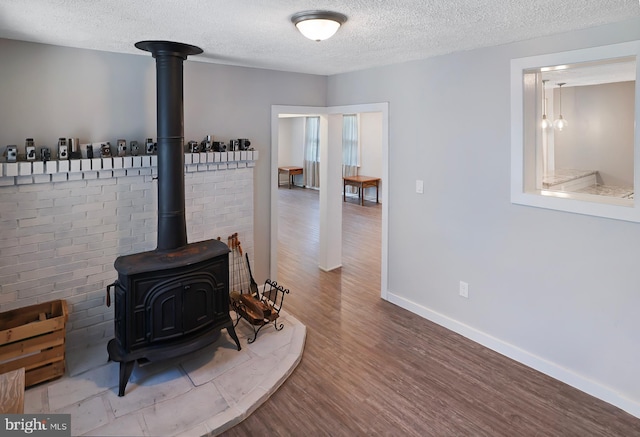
(34, 172)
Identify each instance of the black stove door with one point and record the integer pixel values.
(181, 306)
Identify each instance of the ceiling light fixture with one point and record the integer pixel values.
(560, 122)
(546, 123)
(318, 25)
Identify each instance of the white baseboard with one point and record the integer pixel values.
(328, 269)
(522, 356)
(352, 196)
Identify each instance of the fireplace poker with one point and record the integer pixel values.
(252, 285)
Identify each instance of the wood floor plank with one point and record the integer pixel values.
(372, 368)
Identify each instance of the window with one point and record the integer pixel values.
(312, 139)
(350, 148)
(311, 172)
(350, 141)
(574, 144)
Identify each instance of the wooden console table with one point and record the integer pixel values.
(361, 182)
(291, 171)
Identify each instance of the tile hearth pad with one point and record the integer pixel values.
(203, 393)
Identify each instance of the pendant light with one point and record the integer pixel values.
(560, 122)
(546, 123)
(318, 25)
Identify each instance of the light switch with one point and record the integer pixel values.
(419, 186)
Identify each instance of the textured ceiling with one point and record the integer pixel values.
(259, 33)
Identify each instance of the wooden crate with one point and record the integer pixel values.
(33, 337)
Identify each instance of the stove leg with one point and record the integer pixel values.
(232, 332)
(125, 373)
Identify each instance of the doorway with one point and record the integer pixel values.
(330, 198)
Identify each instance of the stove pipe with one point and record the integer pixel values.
(172, 226)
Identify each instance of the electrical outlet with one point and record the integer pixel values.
(419, 186)
(464, 289)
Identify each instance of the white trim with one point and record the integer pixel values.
(324, 269)
(348, 109)
(522, 356)
(569, 202)
(276, 110)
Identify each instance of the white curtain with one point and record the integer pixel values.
(350, 147)
(311, 171)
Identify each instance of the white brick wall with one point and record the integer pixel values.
(60, 236)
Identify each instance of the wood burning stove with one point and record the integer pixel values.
(168, 303)
(174, 299)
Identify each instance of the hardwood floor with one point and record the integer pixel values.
(372, 368)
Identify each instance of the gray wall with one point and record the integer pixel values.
(48, 92)
(291, 146)
(559, 287)
(371, 144)
(291, 141)
(600, 131)
(371, 150)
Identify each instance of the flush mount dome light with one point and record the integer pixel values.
(318, 25)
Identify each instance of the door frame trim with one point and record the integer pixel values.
(383, 108)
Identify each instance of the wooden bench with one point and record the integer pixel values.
(361, 182)
(291, 171)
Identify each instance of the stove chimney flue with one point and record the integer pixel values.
(172, 227)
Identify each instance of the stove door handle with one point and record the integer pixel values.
(109, 293)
